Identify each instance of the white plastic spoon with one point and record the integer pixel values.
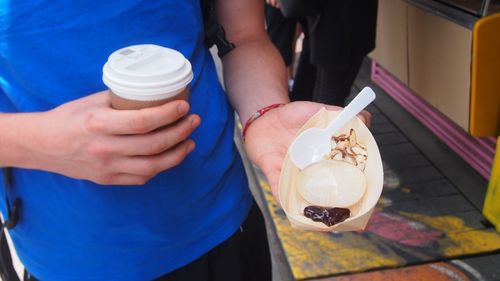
(314, 143)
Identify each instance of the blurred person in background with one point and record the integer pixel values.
(284, 33)
(340, 36)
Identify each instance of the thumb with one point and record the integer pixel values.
(366, 117)
(273, 182)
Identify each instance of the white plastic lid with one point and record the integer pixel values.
(146, 72)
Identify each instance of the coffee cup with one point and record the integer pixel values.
(147, 75)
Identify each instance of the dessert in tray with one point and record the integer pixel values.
(336, 183)
(339, 192)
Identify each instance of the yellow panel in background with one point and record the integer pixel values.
(485, 88)
(492, 202)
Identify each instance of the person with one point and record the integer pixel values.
(339, 38)
(151, 194)
(283, 32)
(343, 35)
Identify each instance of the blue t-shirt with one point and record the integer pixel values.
(52, 52)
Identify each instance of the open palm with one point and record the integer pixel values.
(268, 138)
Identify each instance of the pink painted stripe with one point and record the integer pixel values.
(455, 143)
(414, 108)
(446, 127)
(450, 141)
(478, 152)
(483, 146)
(396, 89)
(477, 165)
(486, 143)
(491, 140)
(449, 128)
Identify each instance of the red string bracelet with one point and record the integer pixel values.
(258, 114)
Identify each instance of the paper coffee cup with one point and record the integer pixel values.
(148, 75)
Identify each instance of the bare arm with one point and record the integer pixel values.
(87, 139)
(254, 73)
(255, 77)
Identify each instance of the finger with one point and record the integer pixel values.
(271, 167)
(157, 141)
(366, 117)
(273, 180)
(152, 165)
(333, 107)
(127, 122)
(298, 112)
(103, 97)
(309, 108)
(126, 179)
(273, 176)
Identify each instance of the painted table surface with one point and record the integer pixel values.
(422, 219)
(469, 269)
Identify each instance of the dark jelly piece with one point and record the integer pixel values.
(328, 216)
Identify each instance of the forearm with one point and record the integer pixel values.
(255, 77)
(16, 133)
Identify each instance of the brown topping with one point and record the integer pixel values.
(350, 150)
(341, 137)
(353, 140)
(328, 216)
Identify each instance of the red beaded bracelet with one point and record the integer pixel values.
(258, 114)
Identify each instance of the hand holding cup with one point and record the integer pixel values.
(143, 76)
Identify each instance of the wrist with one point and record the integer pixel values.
(257, 114)
(17, 135)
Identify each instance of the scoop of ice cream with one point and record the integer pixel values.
(331, 183)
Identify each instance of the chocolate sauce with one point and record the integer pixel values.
(328, 216)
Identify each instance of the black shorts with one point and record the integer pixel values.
(244, 256)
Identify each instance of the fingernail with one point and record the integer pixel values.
(182, 108)
(191, 147)
(195, 122)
